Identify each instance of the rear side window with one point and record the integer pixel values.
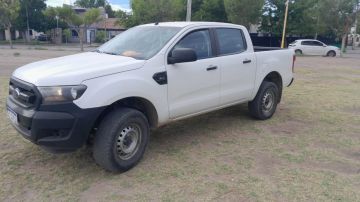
(307, 43)
(316, 43)
(230, 41)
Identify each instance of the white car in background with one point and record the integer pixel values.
(314, 47)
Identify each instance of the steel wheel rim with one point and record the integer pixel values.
(268, 101)
(128, 141)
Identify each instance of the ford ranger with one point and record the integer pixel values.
(146, 77)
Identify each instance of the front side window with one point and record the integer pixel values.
(199, 41)
(230, 41)
(141, 42)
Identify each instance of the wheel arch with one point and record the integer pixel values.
(138, 103)
(298, 49)
(276, 78)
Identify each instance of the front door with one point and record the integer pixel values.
(194, 86)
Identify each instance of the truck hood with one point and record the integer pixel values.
(74, 69)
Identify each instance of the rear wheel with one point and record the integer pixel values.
(264, 105)
(331, 54)
(121, 139)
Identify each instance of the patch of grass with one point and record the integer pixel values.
(40, 48)
(309, 151)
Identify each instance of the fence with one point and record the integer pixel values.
(273, 41)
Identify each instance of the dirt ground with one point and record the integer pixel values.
(309, 151)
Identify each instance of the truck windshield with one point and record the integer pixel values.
(141, 42)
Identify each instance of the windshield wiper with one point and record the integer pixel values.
(109, 53)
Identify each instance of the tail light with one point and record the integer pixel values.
(293, 64)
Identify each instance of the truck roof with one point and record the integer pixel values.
(192, 23)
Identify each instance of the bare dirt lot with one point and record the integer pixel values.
(309, 151)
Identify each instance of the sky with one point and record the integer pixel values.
(115, 4)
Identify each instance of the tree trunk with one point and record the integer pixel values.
(81, 37)
(343, 45)
(8, 30)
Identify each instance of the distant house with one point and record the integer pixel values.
(109, 25)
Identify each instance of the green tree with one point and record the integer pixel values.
(210, 10)
(31, 13)
(339, 16)
(146, 11)
(109, 11)
(67, 34)
(91, 3)
(50, 14)
(272, 20)
(100, 37)
(79, 23)
(124, 19)
(9, 11)
(244, 12)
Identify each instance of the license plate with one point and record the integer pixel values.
(12, 116)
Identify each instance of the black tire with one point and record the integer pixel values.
(260, 107)
(119, 128)
(331, 54)
(298, 52)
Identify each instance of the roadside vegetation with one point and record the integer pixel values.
(332, 19)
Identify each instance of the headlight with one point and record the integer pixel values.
(58, 94)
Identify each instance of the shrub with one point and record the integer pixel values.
(100, 37)
(67, 34)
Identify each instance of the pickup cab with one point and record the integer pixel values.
(144, 78)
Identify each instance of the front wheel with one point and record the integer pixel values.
(331, 54)
(264, 105)
(121, 140)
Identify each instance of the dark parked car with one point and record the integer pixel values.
(43, 37)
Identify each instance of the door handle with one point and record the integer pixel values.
(246, 61)
(211, 68)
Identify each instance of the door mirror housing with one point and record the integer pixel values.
(180, 55)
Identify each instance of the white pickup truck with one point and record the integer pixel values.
(145, 77)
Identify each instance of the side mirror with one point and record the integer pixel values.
(180, 55)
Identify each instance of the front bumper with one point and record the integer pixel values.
(58, 127)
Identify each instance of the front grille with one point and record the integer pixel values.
(23, 93)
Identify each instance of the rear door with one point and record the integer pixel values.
(319, 48)
(237, 64)
(194, 86)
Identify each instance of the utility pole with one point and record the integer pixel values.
(356, 22)
(285, 22)
(188, 11)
